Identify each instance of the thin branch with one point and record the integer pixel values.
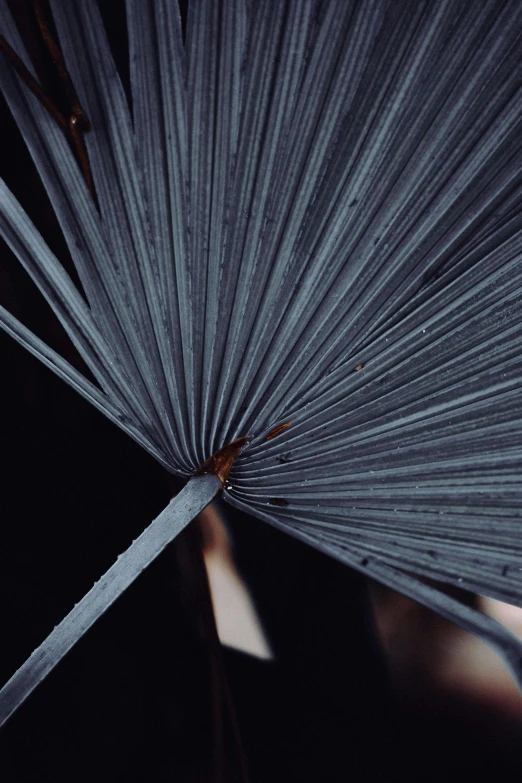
(195, 496)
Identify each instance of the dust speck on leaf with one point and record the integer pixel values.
(278, 502)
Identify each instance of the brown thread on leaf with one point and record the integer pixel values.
(220, 463)
(278, 430)
(30, 82)
(77, 122)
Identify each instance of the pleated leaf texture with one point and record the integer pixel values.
(310, 213)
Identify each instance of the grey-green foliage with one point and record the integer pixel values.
(311, 214)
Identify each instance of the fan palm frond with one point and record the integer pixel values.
(309, 216)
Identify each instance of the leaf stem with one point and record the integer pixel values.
(192, 499)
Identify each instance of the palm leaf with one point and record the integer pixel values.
(309, 215)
